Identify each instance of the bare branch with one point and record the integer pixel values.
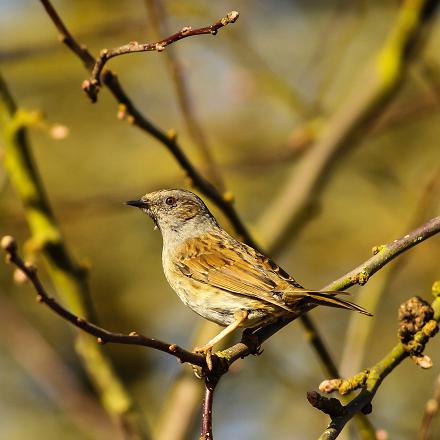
(104, 336)
(92, 85)
(66, 37)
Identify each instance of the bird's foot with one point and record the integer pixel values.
(205, 350)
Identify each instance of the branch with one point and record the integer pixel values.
(93, 85)
(206, 433)
(104, 336)
(418, 323)
(167, 139)
(67, 38)
(360, 275)
(383, 254)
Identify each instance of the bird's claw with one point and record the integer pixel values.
(206, 350)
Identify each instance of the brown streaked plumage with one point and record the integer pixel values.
(217, 276)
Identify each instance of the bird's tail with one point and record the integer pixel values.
(328, 298)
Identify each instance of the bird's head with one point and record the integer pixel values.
(176, 211)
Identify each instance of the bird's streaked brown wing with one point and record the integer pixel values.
(238, 269)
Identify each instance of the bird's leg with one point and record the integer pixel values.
(239, 318)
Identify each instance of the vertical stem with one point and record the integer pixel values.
(206, 433)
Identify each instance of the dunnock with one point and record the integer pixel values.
(217, 276)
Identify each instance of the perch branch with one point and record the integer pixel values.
(103, 336)
(93, 85)
(360, 275)
(418, 323)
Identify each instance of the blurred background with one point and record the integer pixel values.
(264, 92)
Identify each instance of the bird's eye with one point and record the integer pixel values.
(170, 201)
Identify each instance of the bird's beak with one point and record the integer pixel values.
(142, 204)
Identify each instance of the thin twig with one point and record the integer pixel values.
(93, 85)
(67, 38)
(206, 433)
(167, 139)
(104, 336)
(181, 407)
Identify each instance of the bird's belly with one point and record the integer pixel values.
(221, 306)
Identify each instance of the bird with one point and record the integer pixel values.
(219, 277)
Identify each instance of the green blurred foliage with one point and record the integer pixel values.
(315, 48)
